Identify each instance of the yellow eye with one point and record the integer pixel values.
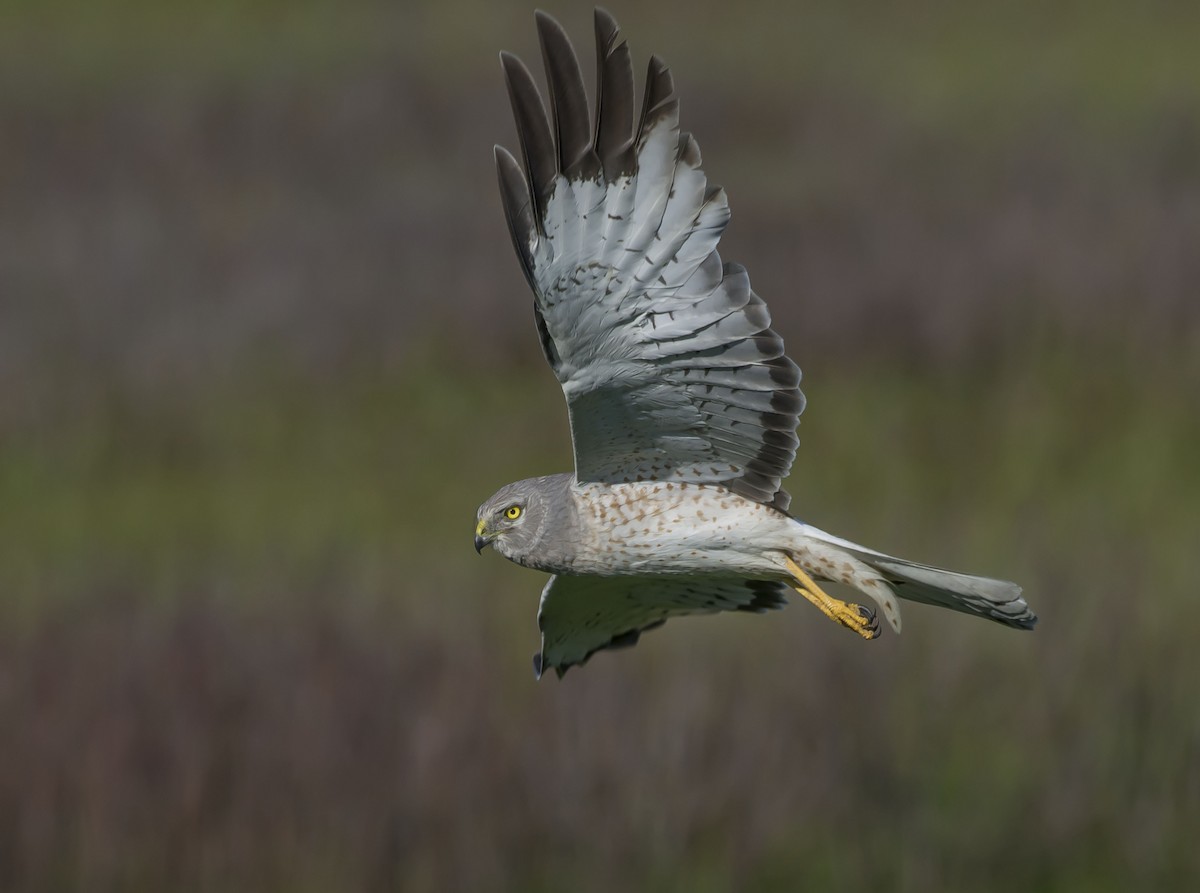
(512, 512)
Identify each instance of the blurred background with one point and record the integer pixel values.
(264, 347)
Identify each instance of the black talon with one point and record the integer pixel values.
(872, 620)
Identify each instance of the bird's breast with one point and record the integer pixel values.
(657, 527)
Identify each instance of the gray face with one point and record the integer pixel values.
(515, 518)
(506, 519)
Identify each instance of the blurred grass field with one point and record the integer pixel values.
(264, 348)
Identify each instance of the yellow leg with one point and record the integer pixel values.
(855, 617)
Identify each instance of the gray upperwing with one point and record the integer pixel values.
(665, 354)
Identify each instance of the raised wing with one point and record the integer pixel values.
(579, 616)
(666, 357)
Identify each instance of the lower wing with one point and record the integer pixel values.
(579, 616)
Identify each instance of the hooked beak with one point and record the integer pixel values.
(481, 541)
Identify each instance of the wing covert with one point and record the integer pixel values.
(665, 354)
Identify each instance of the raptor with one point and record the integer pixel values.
(682, 403)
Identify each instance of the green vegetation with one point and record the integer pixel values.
(310, 541)
(263, 349)
(1108, 59)
(281, 477)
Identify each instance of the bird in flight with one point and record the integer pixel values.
(682, 403)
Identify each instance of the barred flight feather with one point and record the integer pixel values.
(665, 354)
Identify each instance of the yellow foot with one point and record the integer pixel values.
(854, 617)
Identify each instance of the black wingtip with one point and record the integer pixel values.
(518, 207)
(660, 100)
(660, 83)
(615, 103)
(539, 668)
(605, 22)
(570, 115)
(533, 128)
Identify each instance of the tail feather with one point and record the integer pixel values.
(998, 600)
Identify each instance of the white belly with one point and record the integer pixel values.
(673, 528)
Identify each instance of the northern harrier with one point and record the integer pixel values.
(683, 406)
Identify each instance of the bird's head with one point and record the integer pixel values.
(512, 520)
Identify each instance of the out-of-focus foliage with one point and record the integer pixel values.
(263, 349)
